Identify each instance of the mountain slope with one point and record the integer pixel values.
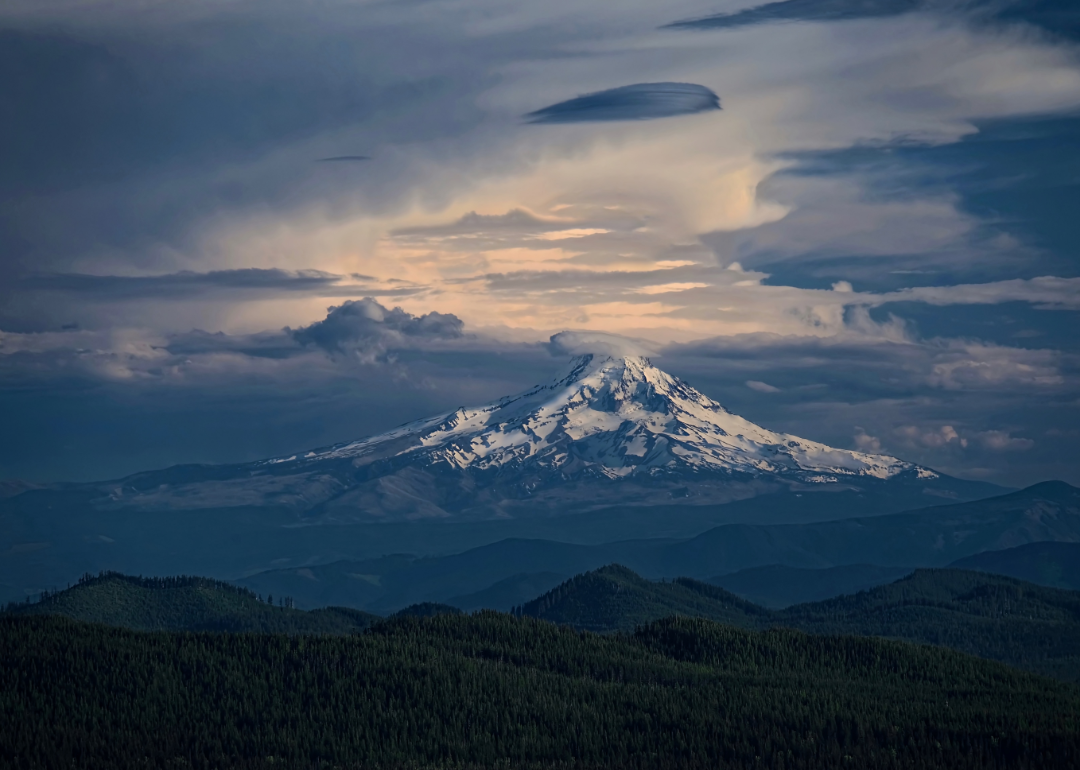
(616, 448)
(1048, 564)
(994, 617)
(991, 616)
(777, 586)
(493, 691)
(798, 555)
(929, 537)
(613, 430)
(508, 592)
(187, 604)
(614, 598)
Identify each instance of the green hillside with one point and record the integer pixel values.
(994, 617)
(492, 690)
(426, 610)
(613, 598)
(187, 604)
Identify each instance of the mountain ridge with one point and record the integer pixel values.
(992, 616)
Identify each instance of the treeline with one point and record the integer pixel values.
(991, 616)
(492, 690)
(88, 579)
(187, 604)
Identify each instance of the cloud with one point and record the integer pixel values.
(1045, 292)
(961, 365)
(641, 101)
(577, 343)
(934, 437)
(761, 387)
(343, 159)
(1001, 441)
(864, 442)
(803, 10)
(188, 284)
(182, 284)
(1056, 19)
(368, 331)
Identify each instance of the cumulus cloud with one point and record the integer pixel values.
(864, 442)
(934, 437)
(1002, 441)
(367, 330)
(641, 101)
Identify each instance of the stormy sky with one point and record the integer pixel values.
(233, 229)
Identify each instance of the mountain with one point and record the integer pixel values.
(614, 598)
(187, 604)
(991, 616)
(930, 537)
(994, 617)
(1048, 564)
(798, 562)
(615, 448)
(778, 586)
(613, 430)
(426, 610)
(490, 690)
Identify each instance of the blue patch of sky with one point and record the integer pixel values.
(1013, 324)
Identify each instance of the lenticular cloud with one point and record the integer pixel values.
(641, 101)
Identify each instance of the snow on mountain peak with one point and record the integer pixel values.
(612, 416)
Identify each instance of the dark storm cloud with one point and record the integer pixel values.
(803, 10)
(641, 101)
(369, 331)
(187, 284)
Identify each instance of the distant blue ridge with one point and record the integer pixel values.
(641, 101)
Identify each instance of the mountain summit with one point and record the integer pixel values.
(612, 417)
(614, 430)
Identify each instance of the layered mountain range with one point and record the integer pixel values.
(614, 430)
(615, 449)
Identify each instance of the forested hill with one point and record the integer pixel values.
(614, 598)
(188, 604)
(995, 617)
(491, 690)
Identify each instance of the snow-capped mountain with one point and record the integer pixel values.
(615, 430)
(611, 417)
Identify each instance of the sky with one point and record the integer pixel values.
(233, 229)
